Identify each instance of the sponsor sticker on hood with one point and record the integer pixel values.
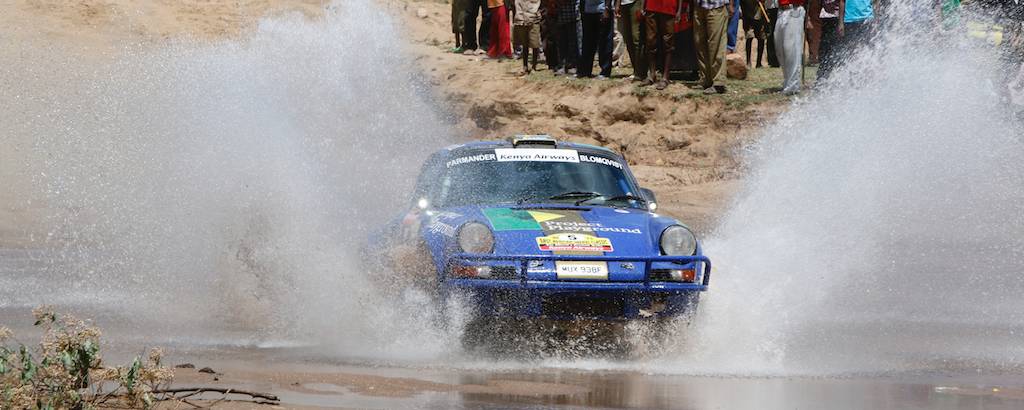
(506, 219)
(572, 226)
(563, 231)
(574, 242)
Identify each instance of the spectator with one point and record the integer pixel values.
(458, 23)
(709, 24)
(772, 6)
(469, 35)
(753, 26)
(949, 10)
(501, 43)
(831, 13)
(732, 33)
(813, 36)
(526, 29)
(548, 34)
(856, 24)
(568, 36)
(659, 23)
(1011, 16)
(789, 43)
(630, 25)
(618, 47)
(598, 33)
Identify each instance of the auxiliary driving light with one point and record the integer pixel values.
(674, 275)
(683, 275)
(482, 272)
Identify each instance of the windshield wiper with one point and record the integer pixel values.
(626, 197)
(576, 194)
(582, 195)
(561, 196)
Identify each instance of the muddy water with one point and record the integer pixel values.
(378, 387)
(301, 374)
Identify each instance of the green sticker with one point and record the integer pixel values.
(505, 219)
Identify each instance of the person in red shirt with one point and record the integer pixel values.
(789, 43)
(500, 31)
(660, 17)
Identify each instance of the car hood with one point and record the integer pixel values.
(559, 229)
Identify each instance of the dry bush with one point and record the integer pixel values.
(66, 370)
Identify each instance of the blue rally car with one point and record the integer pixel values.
(537, 228)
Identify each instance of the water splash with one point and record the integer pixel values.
(207, 187)
(882, 228)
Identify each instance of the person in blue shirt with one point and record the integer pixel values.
(734, 27)
(857, 22)
(598, 35)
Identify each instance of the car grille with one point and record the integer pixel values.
(582, 306)
(504, 272)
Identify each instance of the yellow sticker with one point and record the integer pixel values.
(544, 216)
(573, 242)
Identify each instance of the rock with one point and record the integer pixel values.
(631, 112)
(674, 142)
(565, 110)
(488, 116)
(421, 13)
(207, 370)
(185, 366)
(585, 130)
(735, 67)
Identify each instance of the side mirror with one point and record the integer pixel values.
(652, 201)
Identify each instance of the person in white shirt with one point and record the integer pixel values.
(630, 26)
(831, 13)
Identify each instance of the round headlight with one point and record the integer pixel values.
(676, 240)
(474, 237)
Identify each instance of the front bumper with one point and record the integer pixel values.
(566, 300)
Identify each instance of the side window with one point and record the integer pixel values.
(430, 175)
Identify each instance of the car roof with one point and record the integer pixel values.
(483, 145)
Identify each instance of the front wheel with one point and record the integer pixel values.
(529, 337)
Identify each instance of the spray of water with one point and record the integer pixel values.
(882, 228)
(208, 188)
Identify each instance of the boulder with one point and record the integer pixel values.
(735, 67)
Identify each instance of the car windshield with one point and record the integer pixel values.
(481, 178)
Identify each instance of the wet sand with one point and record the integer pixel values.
(349, 386)
(307, 376)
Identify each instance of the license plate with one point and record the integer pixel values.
(581, 270)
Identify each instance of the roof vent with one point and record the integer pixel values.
(533, 140)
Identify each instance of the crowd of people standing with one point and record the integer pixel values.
(572, 33)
